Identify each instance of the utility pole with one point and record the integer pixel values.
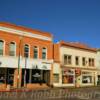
(19, 56)
(25, 71)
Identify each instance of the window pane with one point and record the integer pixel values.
(67, 59)
(26, 51)
(87, 79)
(68, 76)
(93, 62)
(44, 53)
(77, 60)
(35, 52)
(2, 76)
(1, 47)
(83, 61)
(12, 49)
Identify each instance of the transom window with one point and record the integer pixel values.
(12, 49)
(1, 47)
(26, 50)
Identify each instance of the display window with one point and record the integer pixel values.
(87, 77)
(2, 76)
(68, 76)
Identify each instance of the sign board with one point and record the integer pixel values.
(42, 66)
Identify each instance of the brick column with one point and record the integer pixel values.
(16, 77)
(51, 75)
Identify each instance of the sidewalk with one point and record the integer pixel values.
(23, 89)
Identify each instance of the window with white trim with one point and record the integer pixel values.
(77, 60)
(12, 49)
(26, 50)
(67, 59)
(1, 47)
(35, 52)
(44, 54)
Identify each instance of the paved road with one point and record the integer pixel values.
(92, 93)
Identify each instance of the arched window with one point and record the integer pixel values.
(12, 49)
(1, 47)
(35, 52)
(26, 50)
(44, 53)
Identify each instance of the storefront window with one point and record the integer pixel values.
(87, 77)
(36, 76)
(56, 78)
(68, 76)
(2, 76)
(10, 76)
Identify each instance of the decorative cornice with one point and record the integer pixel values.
(24, 33)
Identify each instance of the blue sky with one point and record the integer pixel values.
(68, 20)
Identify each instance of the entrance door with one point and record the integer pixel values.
(46, 76)
(98, 82)
(25, 78)
(10, 76)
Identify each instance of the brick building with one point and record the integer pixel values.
(26, 57)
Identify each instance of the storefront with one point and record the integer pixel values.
(37, 75)
(68, 76)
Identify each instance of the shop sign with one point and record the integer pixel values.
(36, 75)
(44, 67)
(35, 67)
(77, 71)
(68, 72)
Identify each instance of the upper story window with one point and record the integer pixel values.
(12, 49)
(91, 62)
(1, 47)
(67, 59)
(35, 54)
(44, 53)
(77, 60)
(83, 61)
(26, 50)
